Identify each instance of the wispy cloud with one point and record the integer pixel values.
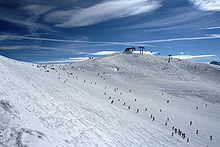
(35, 11)
(211, 36)
(174, 19)
(209, 28)
(17, 37)
(207, 5)
(22, 47)
(102, 12)
(63, 61)
(103, 53)
(19, 19)
(192, 57)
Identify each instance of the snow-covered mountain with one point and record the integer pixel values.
(119, 100)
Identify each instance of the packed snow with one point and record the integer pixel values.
(119, 100)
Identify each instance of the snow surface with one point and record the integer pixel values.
(70, 105)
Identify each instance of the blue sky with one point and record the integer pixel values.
(69, 30)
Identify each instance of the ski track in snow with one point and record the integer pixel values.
(87, 103)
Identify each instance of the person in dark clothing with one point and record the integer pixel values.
(175, 130)
(183, 135)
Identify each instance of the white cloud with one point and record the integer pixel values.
(207, 5)
(21, 47)
(78, 59)
(192, 57)
(214, 35)
(136, 43)
(209, 28)
(102, 12)
(103, 53)
(64, 61)
(210, 36)
(37, 9)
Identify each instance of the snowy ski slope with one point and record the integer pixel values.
(120, 100)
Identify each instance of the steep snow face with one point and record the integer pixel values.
(119, 100)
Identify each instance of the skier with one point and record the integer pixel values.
(187, 140)
(197, 131)
(179, 132)
(151, 116)
(137, 111)
(183, 135)
(124, 104)
(190, 123)
(169, 58)
(129, 107)
(210, 137)
(112, 101)
(166, 124)
(153, 119)
(175, 130)
(145, 109)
